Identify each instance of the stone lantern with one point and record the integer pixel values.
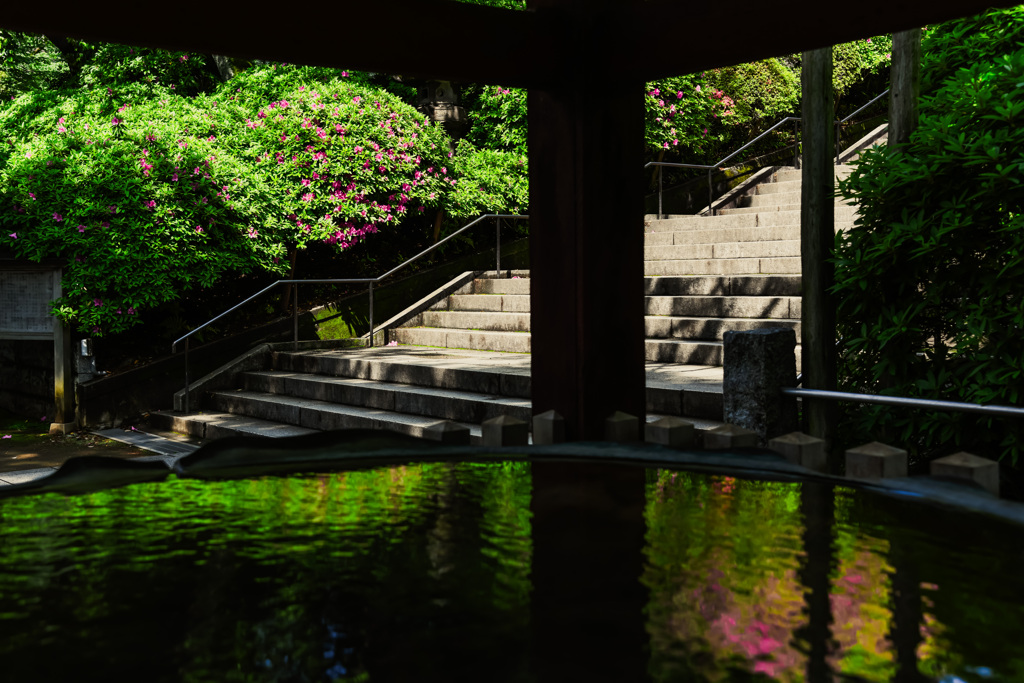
(439, 101)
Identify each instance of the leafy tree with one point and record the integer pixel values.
(929, 280)
(149, 194)
(143, 204)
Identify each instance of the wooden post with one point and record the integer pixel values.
(586, 136)
(905, 85)
(63, 379)
(817, 238)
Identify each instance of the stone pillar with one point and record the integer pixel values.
(63, 377)
(758, 364)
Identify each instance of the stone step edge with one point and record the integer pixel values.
(455, 381)
(232, 424)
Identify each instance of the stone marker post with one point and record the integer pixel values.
(758, 364)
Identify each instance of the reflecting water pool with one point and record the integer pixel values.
(504, 571)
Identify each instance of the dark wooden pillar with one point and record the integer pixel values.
(586, 227)
(904, 85)
(817, 239)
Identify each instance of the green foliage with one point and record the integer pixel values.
(960, 44)
(346, 160)
(853, 62)
(755, 94)
(137, 73)
(489, 181)
(679, 113)
(143, 205)
(29, 62)
(929, 280)
(498, 118)
(149, 194)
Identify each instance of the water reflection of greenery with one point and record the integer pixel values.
(726, 597)
(275, 578)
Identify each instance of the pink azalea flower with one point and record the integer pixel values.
(5, 436)
(13, 235)
(97, 302)
(57, 217)
(81, 228)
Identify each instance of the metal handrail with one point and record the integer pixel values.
(369, 281)
(717, 165)
(840, 123)
(932, 404)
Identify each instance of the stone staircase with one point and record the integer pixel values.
(704, 275)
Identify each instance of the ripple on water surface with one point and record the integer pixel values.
(422, 572)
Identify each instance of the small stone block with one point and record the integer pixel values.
(63, 427)
(548, 428)
(447, 432)
(729, 436)
(962, 465)
(505, 430)
(801, 449)
(673, 432)
(876, 461)
(621, 427)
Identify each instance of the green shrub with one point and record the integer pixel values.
(930, 281)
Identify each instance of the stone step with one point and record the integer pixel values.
(728, 250)
(770, 199)
(691, 316)
(217, 425)
(779, 199)
(508, 342)
(683, 351)
(498, 303)
(473, 320)
(738, 285)
(516, 285)
(319, 415)
(708, 329)
(779, 187)
(681, 223)
(791, 174)
(493, 374)
(778, 308)
(766, 215)
(844, 217)
(690, 352)
(440, 403)
(739, 266)
(722, 235)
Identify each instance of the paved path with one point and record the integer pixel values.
(163, 449)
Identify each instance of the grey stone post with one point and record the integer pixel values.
(758, 364)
